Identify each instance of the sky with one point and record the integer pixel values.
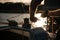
(27, 2)
(24, 1)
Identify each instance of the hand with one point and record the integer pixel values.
(33, 19)
(44, 15)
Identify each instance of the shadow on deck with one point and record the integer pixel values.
(6, 35)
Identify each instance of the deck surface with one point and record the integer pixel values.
(6, 35)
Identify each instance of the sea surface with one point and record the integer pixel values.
(19, 17)
(11, 16)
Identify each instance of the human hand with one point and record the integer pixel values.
(33, 19)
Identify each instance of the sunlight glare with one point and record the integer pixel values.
(26, 1)
(41, 22)
(42, 3)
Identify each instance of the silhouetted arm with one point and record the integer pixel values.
(33, 6)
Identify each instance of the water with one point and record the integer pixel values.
(11, 16)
